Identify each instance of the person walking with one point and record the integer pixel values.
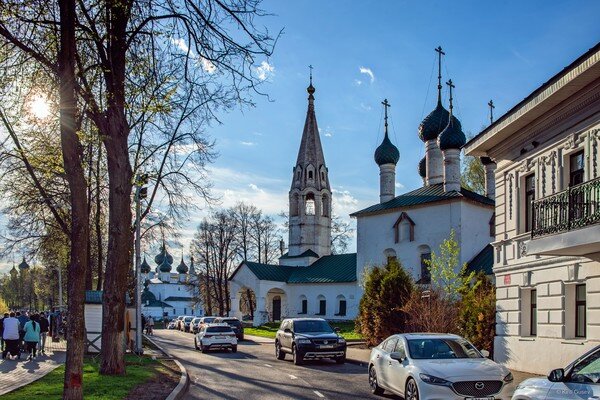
(2, 331)
(150, 326)
(11, 336)
(22, 321)
(44, 327)
(32, 336)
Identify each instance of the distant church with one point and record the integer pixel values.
(310, 281)
(166, 293)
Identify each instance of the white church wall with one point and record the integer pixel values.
(473, 233)
(332, 292)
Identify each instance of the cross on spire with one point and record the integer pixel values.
(492, 106)
(440, 54)
(451, 86)
(386, 105)
(311, 68)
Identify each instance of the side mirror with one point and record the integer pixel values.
(398, 356)
(485, 353)
(337, 329)
(287, 330)
(556, 375)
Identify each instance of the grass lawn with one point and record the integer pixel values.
(95, 386)
(270, 329)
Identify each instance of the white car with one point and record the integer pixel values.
(579, 380)
(215, 336)
(435, 367)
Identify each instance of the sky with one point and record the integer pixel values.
(363, 52)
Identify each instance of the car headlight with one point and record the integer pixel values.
(434, 380)
(341, 340)
(508, 378)
(303, 341)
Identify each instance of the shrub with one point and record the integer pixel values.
(477, 313)
(431, 310)
(381, 313)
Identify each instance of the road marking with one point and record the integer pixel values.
(268, 365)
(292, 377)
(318, 393)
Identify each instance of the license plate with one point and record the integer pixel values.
(326, 346)
(219, 337)
(480, 398)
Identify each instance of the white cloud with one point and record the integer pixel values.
(265, 71)
(207, 65)
(367, 71)
(255, 187)
(399, 185)
(357, 82)
(365, 107)
(248, 143)
(181, 44)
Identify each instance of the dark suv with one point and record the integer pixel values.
(309, 339)
(235, 324)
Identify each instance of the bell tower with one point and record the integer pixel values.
(310, 194)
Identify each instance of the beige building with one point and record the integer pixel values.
(547, 220)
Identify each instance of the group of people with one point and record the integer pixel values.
(148, 323)
(23, 332)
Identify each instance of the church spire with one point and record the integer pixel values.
(439, 87)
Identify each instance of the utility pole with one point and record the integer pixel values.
(140, 193)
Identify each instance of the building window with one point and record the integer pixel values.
(303, 305)
(325, 206)
(529, 198)
(294, 209)
(493, 225)
(310, 204)
(576, 168)
(533, 313)
(322, 305)
(310, 174)
(580, 310)
(185, 310)
(425, 273)
(341, 303)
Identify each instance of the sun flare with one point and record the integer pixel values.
(39, 107)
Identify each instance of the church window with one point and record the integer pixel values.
(404, 229)
(310, 175)
(303, 305)
(310, 204)
(325, 208)
(341, 306)
(294, 209)
(493, 225)
(185, 310)
(323, 176)
(390, 255)
(425, 256)
(322, 305)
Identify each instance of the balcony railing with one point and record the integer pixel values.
(574, 208)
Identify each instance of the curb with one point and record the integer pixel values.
(355, 361)
(184, 381)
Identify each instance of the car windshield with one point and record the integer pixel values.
(188, 319)
(208, 320)
(309, 326)
(218, 329)
(232, 322)
(421, 349)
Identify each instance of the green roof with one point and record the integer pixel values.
(156, 303)
(328, 269)
(178, 298)
(424, 195)
(483, 261)
(307, 253)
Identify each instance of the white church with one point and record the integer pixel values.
(310, 281)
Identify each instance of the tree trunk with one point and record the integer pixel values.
(98, 219)
(72, 158)
(89, 273)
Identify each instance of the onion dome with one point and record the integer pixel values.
(23, 265)
(145, 267)
(452, 137)
(182, 268)
(434, 123)
(13, 271)
(423, 168)
(486, 160)
(147, 295)
(163, 256)
(165, 266)
(386, 153)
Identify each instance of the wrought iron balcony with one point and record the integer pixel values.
(574, 208)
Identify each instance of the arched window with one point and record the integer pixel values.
(425, 257)
(325, 206)
(390, 254)
(294, 209)
(322, 303)
(340, 306)
(323, 176)
(310, 204)
(404, 229)
(310, 175)
(303, 305)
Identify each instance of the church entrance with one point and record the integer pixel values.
(276, 308)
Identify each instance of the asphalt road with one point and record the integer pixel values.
(253, 373)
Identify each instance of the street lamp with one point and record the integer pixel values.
(141, 192)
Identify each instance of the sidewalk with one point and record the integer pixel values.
(17, 373)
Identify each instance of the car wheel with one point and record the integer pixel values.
(279, 354)
(297, 356)
(203, 348)
(234, 349)
(340, 360)
(196, 344)
(411, 392)
(375, 388)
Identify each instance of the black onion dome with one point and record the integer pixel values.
(423, 168)
(452, 137)
(434, 123)
(147, 296)
(23, 264)
(182, 268)
(165, 266)
(162, 256)
(145, 267)
(386, 153)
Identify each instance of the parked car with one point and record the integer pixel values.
(579, 380)
(178, 322)
(194, 325)
(184, 325)
(172, 324)
(204, 321)
(215, 336)
(309, 339)
(435, 366)
(235, 324)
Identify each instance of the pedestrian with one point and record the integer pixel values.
(11, 336)
(22, 321)
(32, 336)
(2, 331)
(44, 327)
(150, 325)
(143, 322)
